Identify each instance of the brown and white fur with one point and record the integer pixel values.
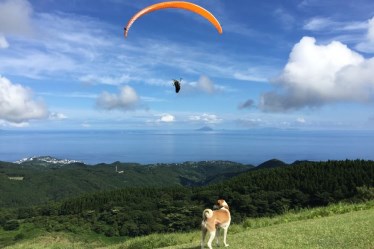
(213, 221)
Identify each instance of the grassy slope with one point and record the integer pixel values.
(337, 226)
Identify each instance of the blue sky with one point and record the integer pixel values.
(278, 64)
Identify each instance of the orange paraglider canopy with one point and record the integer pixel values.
(175, 4)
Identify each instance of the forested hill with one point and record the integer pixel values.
(39, 180)
(263, 192)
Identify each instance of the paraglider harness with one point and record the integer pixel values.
(177, 84)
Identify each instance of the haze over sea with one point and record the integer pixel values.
(145, 146)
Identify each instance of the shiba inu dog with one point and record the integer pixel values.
(213, 221)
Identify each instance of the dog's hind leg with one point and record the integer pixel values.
(203, 233)
(212, 235)
(217, 236)
(224, 236)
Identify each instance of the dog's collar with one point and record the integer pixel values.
(225, 207)
(221, 207)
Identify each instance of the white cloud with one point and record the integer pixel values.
(57, 116)
(320, 74)
(151, 99)
(348, 32)
(318, 23)
(328, 24)
(70, 95)
(71, 47)
(61, 45)
(107, 80)
(301, 120)
(250, 122)
(17, 104)
(249, 76)
(368, 44)
(204, 84)
(286, 19)
(371, 30)
(126, 99)
(42, 64)
(166, 118)
(11, 124)
(256, 73)
(20, 125)
(86, 125)
(3, 42)
(15, 17)
(205, 118)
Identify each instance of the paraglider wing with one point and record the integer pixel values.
(175, 4)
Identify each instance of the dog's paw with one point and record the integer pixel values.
(226, 245)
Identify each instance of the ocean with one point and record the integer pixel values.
(146, 147)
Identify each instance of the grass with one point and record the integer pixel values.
(337, 226)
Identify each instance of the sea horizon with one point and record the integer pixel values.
(176, 146)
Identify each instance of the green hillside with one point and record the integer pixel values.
(336, 226)
(352, 230)
(139, 211)
(273, 163)
(37, 182)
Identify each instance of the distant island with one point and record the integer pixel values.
(205, 128)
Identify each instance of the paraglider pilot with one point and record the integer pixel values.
(177, 84)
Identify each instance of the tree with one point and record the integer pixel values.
(11, 225)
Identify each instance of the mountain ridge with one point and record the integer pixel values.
(38, 180)
(33, 182)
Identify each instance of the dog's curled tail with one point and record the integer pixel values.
(207, 213)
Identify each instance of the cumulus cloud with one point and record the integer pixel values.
(11, 124)
(320, 74)
(246, 105)
(17, 104)
(126, 99)
(15, 17)
(166, 118)
(3, 42)
(300, 120)
(204, 84)
(206, 118)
